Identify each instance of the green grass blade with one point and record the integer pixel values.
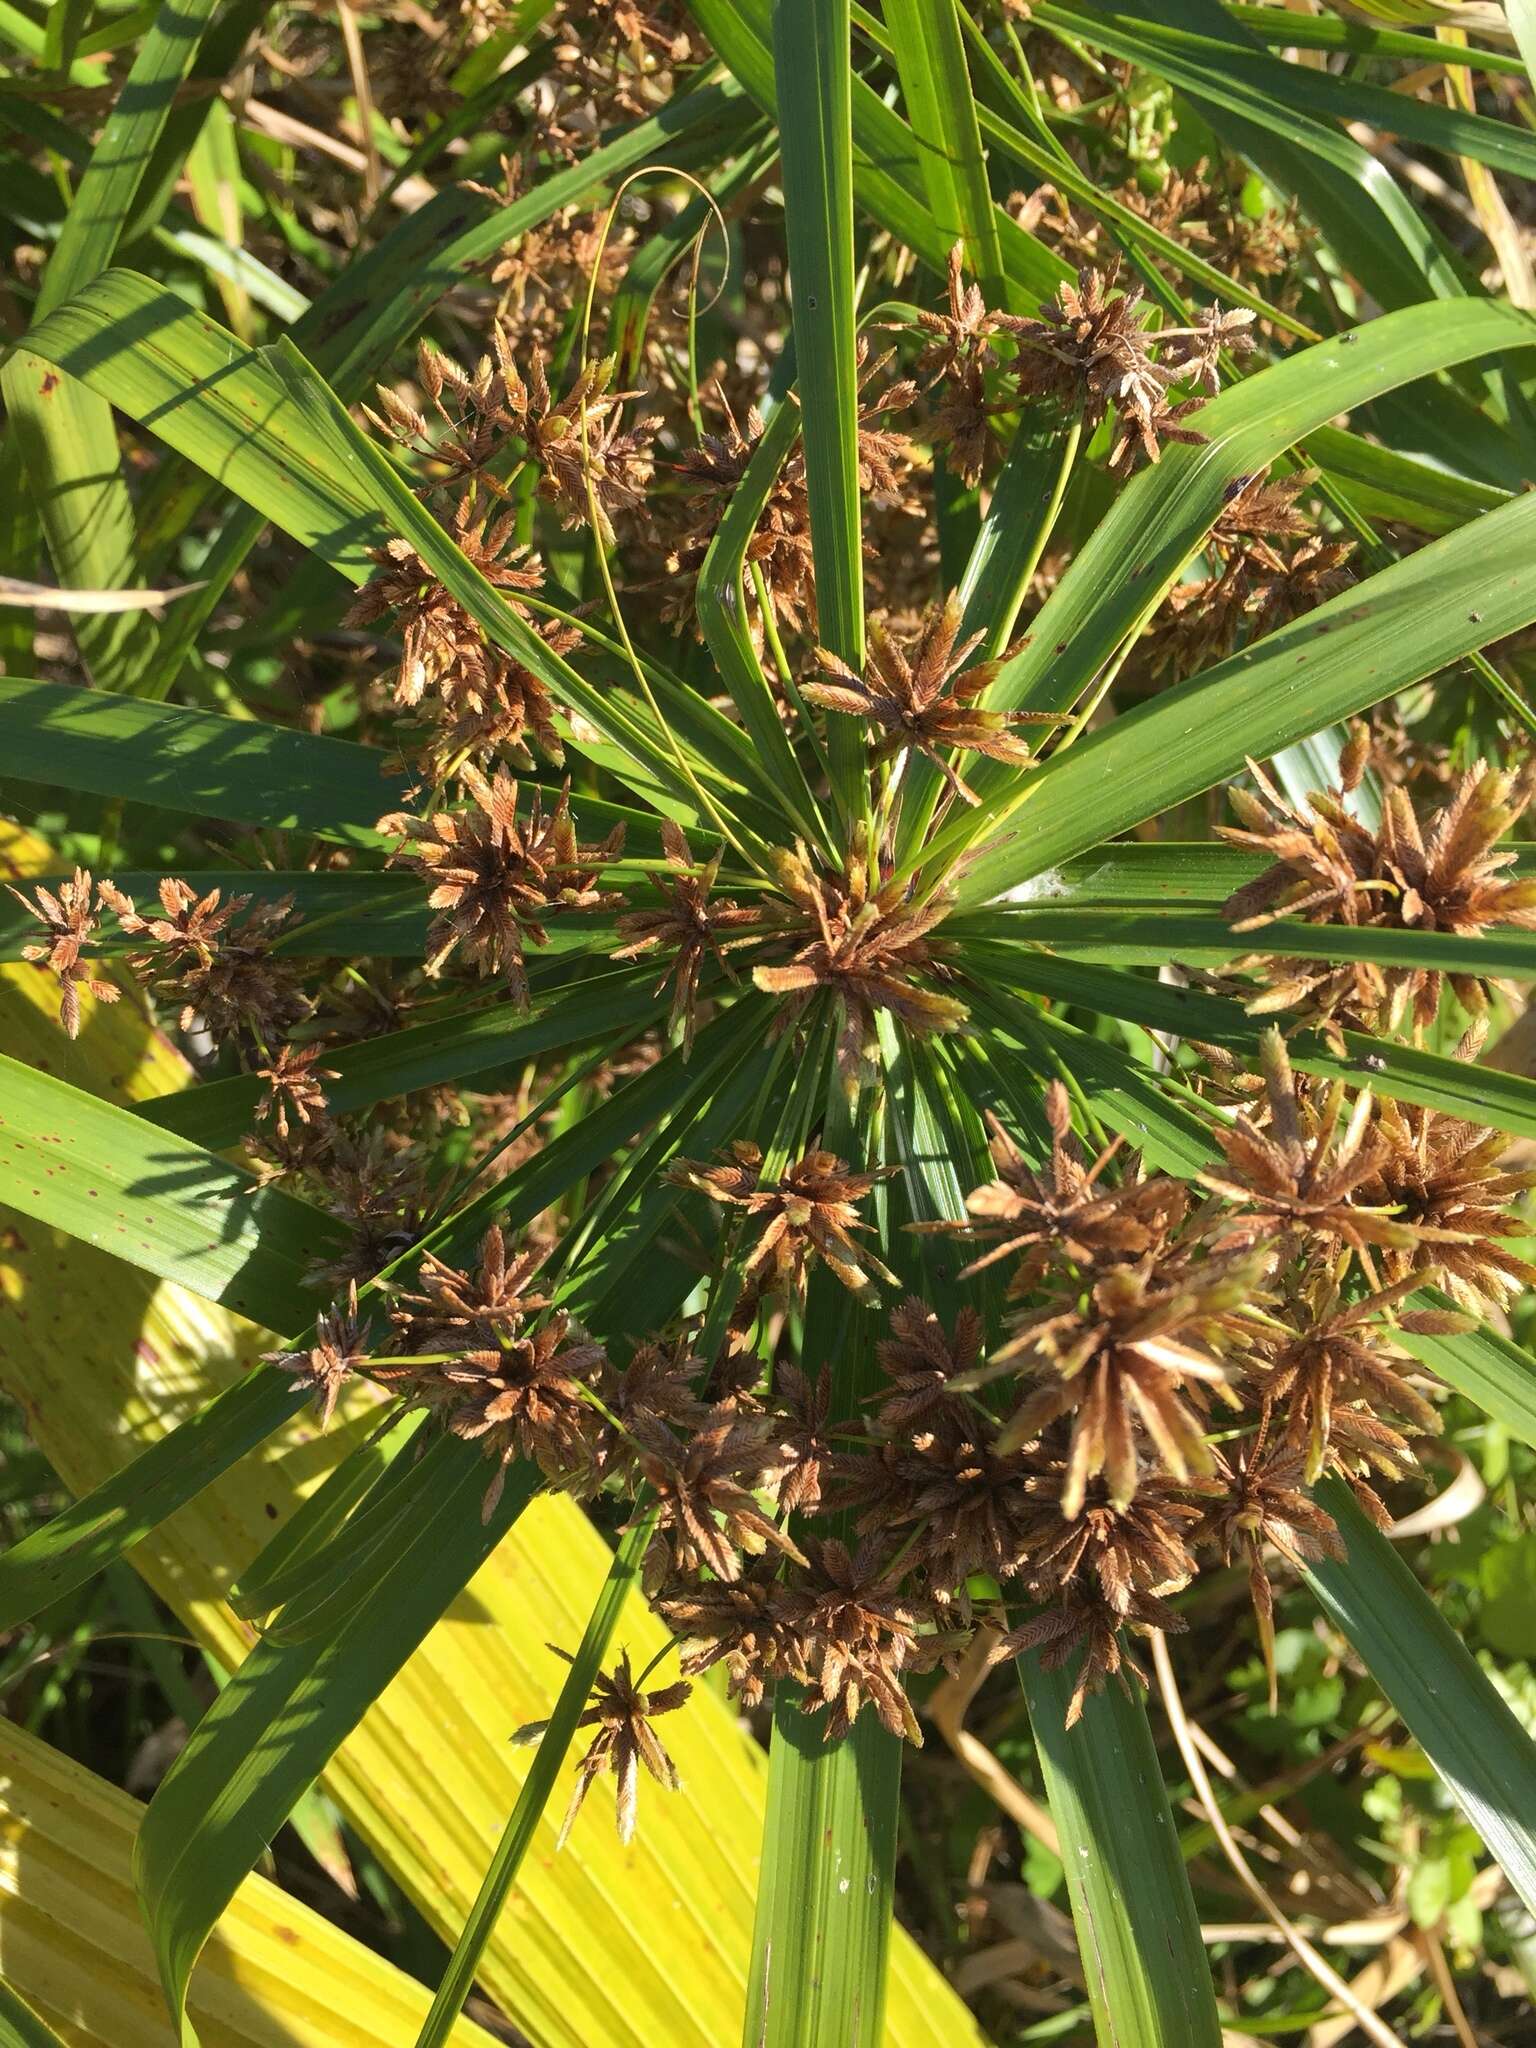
(451, 1048)
(936, 86)
(105, 196)
(20, 2026)
(315, 473)
(887, 162)
(1368, 218)
(1148, 1980)
(287, 1709)
(1121, 574)
(1500, 1376)
(1483, 1755)
(285, 1565)
(1248, 79)
(1328, 32)
(824, 1895)
(67, 443)
(1477, 1094)
(194, 761)
(62, 32)
(167, 1207)
(243, 771)
(1155, 933)
(67, 436)
(722, 608)
(813, 83)
(85, 1537)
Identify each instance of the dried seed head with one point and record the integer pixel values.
(496, 877)
(70, 916)
(622, 1715)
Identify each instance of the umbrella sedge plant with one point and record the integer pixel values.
(837, 861)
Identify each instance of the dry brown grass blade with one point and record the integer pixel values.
(1360, 2014)
(362, 87)
(947, 1710)
(1326, 1865)
(1445, 1984)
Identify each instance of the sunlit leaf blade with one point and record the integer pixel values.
(76, 1949)
(20, 2026)
(930, 61)
(152, 1199)
(1450, 1707)
(107, 190)
(1521, 16)
(287, 1709)
(303, 1545)
(67, 444)
(1148, 1981)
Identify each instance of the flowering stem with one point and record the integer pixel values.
(785, 672)
(537, 1786)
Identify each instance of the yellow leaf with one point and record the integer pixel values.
(276, 1974)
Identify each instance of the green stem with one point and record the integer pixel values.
(537, 1786)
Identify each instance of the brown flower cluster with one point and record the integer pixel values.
(1174, 1372)
(496, 875)
(1272, 566)
(1201, 208)
(689, 925)
(956, 357)
(865, 941)
(1090, 350)
(926, 701)
(199, 957)
(474, 701)
(70, 916)
(1327, 865)
(478, 701)
(779, 548)
(622, 1713)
